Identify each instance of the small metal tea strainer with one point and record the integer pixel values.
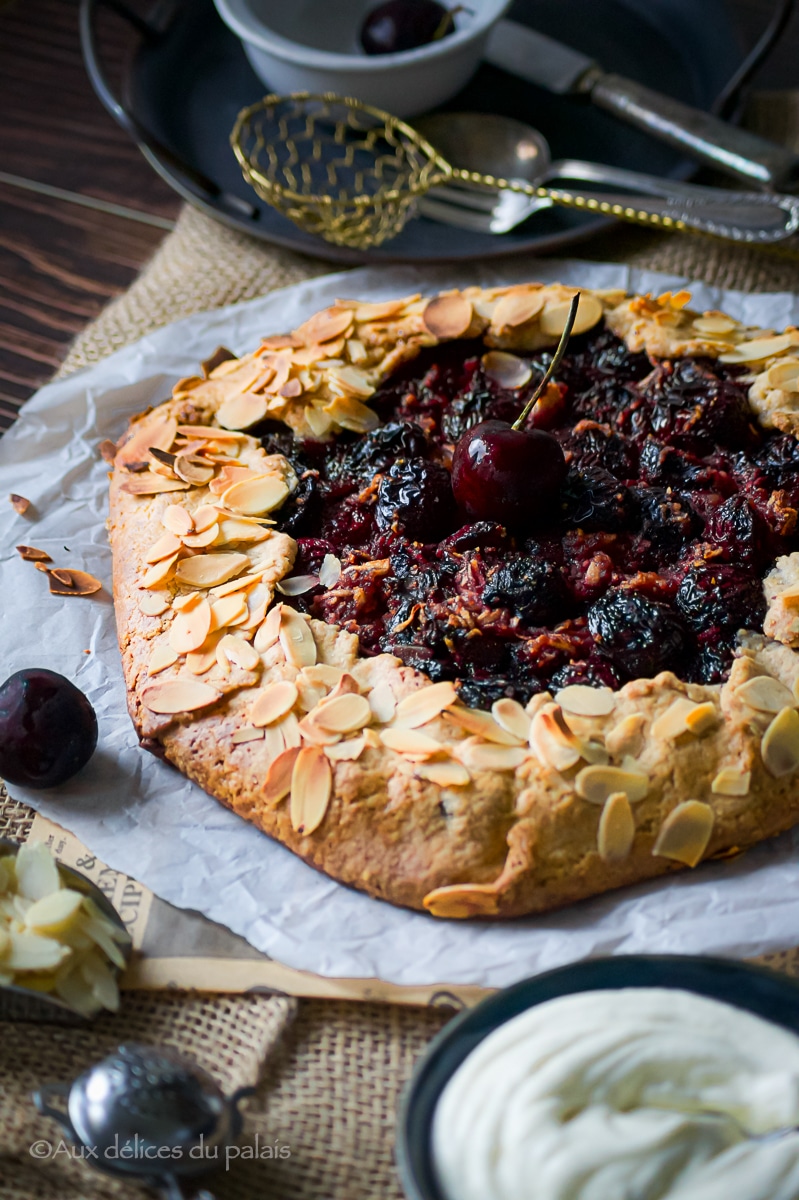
(351, 174)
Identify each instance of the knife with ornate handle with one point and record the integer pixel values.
(558, 68)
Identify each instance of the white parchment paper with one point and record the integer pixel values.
(142, 817)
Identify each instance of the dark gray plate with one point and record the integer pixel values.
(766, 993)
(186, 86)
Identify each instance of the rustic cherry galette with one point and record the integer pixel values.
(465, 667)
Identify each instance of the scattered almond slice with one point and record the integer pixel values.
(298, 585)
(277, 784)
(153, 430)
(161, 658)
(511, 717)
(31, 554)
(779, 745)
(765, 694)
(241, 529)
(208, 433)
(424, 705)
(174, 696)
(326, 325)
(553, 318)
(685, 833)
(444, 774)
(758, 349)
(448, 316)
(507, 370)
(731, 781)
(554, 743)
(19, 503)
(343, 714)
(411, 742)
(347, 751)
(209, 570)
(153, 605)
(518, 306)
(626, 736)
(311, 787)
(483, 724)
(330, 571)
(190, 627)
(382, 702)
(350, 414)
(67, 582)
(186, 600)
(684, 716)
(585, 701)
(167, 545)
(269, 631)
(484, 756)
(238, 652)
(247, 733)
(177, 520)
(255, 496)
(153, 485)
(237, 585)
(273, 703)
(226, 610)
(202, 660)
(199, 541)
(242, 411)
(784, 374)
(616, 831)
(107, 450)
(296, 638)
(714, 323)
(597, 783)
(460, 901)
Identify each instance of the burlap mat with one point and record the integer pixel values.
(332, 1071)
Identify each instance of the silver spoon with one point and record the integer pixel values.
(511, 149)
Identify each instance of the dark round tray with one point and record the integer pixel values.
(188, 77)
(765, 993)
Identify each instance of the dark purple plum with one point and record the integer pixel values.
(48, 729)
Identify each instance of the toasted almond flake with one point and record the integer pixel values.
(291, 389)
(193, 469)
(220, 356)
(703, 717)
(67, 582)
(154, 430)
(273, 702)
(323, 675)
(240, 412)
(350, 414)
(784, 374)
(685, 833)
(330, 571)
(483, 756)
(554, 743)
(209, 570)
(198, 541)
(758, 349)
(153, 606)
(506, 370)
(237, 585)
(228, 609)
(444, 774)
(352, 381)
(424, 705)
(267, 633)
(203, 518)
(597, 783)
(311, 786)
(325, 325)
(247, 733)
(382, 701)
(714, 323)
(780, 743)
(238, 652)
(278, 777)
(511, 717)
(153, 485)
(207, 432)
(320, 423)
(296, 638)
(483, 724)
(765, 694)
(190, 627)
(164, 547)
(19, 503)
(177, 520)
(347, 751)
(107, 450)
(241, 529)
(179, 696)
(315, 734)
(31, 554)
(448, 316)
(585, 701)
(673, 722)
(460, 901)
(411, 742)
(553, 318)
(616, 831)
(186, 600)
(257, 495)
(378, 310)
(161, 658)
(298, 585)
(516, 307)
(160, 572)
(626, 736)
(343, 714)
(202, 660)
(731, 781)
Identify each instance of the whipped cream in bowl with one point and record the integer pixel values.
(613, 1093)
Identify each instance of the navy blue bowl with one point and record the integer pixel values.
(766, 993)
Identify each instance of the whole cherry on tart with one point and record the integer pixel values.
(399, 25)
(506, 473)
(48, 729)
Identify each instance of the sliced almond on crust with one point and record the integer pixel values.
(685, 833)
(411, 742)
(347, 751)
(190, 627)
(424, 705)
(255, 496)
(179, 695)
(616, 831)
(150, 484)
(268, 632)
(164, 547)
(780, 743)
(193, 469)
(585, 701)
(273, 703)
(311, 787)
(482, 724)
(209, 570)
(296, 638)
(444, 774)
(553, 318)
(227, 610)
(485, 756)
(207, 432)
(177, 520)
(731, 781)
(199, 541)
(242, 411)
(597, 783)
(277, 784)
(516, 307)
(378, 310)
(460, 901)
(553, 742)
(758, 349)
(507, 370)
(153, 606)
(67, 582)
(344, 714)
(325, 325)
(626, 736)
(159, 572)
(765, 694)
(714, 323)
(448, 317)
(238, 652)
(382, 702)
(161, 658)
(682, 717)
(247, 733)
(784, 374)
(511, 717)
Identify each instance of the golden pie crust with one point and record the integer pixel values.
(362, 766)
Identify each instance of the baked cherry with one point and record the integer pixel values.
(507, 473)
(48, 729)
(399, 25)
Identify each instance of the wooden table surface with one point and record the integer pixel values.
(80, 210)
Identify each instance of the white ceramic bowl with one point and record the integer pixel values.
(312, 46)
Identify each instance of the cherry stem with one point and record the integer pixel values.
(553, 366)
(447, 22)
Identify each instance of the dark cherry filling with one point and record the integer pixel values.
(650, 558)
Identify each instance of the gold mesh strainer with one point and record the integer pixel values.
(351, 174)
